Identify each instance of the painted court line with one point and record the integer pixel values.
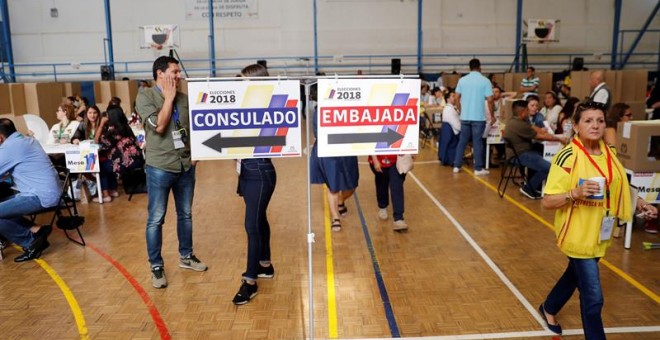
(330, 270)
(530, 334)
(68, 295)
(482, 253)
(385, 298)
(155, 315)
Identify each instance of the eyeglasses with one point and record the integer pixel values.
(592, 105)
(628, 115)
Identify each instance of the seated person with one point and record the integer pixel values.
(521, 134)
(450, 131)
(62, 132)
(38, 187)
(620, 112)
(535, 117)
(90, 123)
(551, 109)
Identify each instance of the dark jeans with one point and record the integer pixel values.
(108, 176)
(447, 145)
(471, 130)
(582, 274)
(390, 181)
(534, 160)
(256, 185)
(159, 185)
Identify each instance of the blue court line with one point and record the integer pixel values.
(389, 313)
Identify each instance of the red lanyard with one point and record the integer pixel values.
(608, 180)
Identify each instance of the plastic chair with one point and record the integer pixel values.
(512, 170)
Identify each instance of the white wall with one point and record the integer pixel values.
(285, 28)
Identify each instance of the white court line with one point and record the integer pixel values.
(483, 255)
(509, 335)
(514, 290)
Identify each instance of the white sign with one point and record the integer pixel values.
(83, 158)
(367, 117)
(244, 119)
(223, 9)
(542, 30)
(647, 184)
(160, 36)
(550, 149)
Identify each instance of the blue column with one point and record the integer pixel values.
(519, 10)
(316, 43)
(211, 39)
(7, 47)
(420, 37)
(639, 35)
(108, 31)
(615, 32)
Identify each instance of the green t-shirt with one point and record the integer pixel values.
(159, 148)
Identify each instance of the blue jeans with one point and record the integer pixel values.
(534, 160)
(159, 184)
(582, 274)
(390, 181)
(256, 185)
(471, 129)
(13, 225)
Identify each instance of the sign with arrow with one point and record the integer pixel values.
(235, 119)
(367, 117)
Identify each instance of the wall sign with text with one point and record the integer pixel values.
(367, 116)
(244, 119)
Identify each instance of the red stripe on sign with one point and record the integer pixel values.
(412, 102)
(401, 129)
(280, 132)
(368, 115)
(291, 103)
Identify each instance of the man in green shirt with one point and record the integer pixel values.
(164, 113)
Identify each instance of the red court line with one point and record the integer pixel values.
(155, 315)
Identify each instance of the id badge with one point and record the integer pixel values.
(606, 228)
(178, 140)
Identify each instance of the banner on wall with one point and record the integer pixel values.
(223, 9)
(83, 158)
(367, 116)
(244, 119)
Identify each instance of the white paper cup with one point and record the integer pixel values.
(601, 186)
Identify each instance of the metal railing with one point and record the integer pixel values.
(340, 64)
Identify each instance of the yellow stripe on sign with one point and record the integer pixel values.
(73, 303)
(330, 271)
(257, 96)
(382, 94)
(606, 263)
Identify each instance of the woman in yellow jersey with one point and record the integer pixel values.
(589, 189)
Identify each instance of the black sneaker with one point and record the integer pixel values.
(531, 194)
(267, 272)
(158, 279)
(246, 293)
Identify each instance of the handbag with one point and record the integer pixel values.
(404, 163)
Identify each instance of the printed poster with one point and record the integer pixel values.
(244, 119)
(359, 117)
(83, 158)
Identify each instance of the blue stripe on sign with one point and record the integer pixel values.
(389, 313)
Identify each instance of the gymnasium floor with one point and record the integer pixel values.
(471, 266)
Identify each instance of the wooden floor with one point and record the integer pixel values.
(471, 264)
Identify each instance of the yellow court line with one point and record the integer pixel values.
(330, 271)
(606, 263)
(68, 295)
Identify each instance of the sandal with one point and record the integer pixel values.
(336, 225)
(342, 209)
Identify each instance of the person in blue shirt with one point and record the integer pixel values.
(37, 185)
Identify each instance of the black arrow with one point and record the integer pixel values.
(390, 137)
(217, 142)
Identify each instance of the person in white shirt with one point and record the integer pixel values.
(599, 91)
(62, 132)
(551, 109)
(450, 131)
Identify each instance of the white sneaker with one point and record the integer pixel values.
(482, 172)
(456, 170)
(400, 225)
(382, 214)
